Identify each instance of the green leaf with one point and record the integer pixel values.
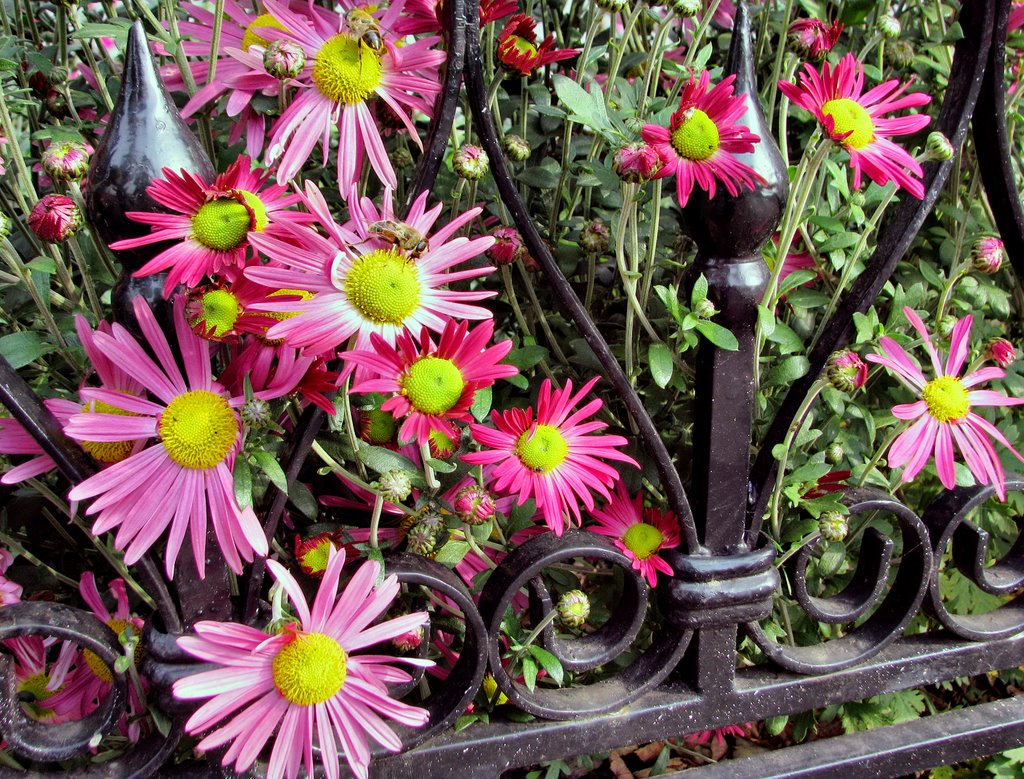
(718, 335)
(243, 483)
(765, 320)
(377, 556)
(700, 291)
(482, 532)
(382, 460)
(303, 500)
(441, 466)
(659, 358)
(22, 348)
(787, 371)
(525, 357)
(839, 241)
(481, 404)
(43, 264)
(529, 673)
(121, 664)
(584, 107)
(451, 554)
(548, 662)
(272, 469)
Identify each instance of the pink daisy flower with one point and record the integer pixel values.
(519, 50)
(184, 479)
(555, 459)
(638, 532)
(943, 415)
(853, 118)
(362, 283)
(305, 682)
(88, 684)
(33, 682)
(702, 140)
(813, 38)
(342, 74)
(432, 385)
(212, 223)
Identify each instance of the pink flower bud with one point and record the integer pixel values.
(474, 505)
(55, 218)
(508, 246)
(846, 371)
(1001, 352)
(987, 255)
(67, 161)
(636, 162)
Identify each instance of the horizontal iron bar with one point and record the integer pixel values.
(891, 751)
(671, 711)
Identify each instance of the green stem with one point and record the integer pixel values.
(378, 507)
(787, 444)
(428, 472)
(340, 470)
(877, 456)
(780, 56)
(698, 35)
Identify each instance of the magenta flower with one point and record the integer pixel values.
(702, 140)
(554, 459)
(518, 48)
(813, 38)
(433, 385)
(184, 479)
(54, 218)
(853, 118)
(638, 532)
(343, 75)
(636, 163)
(211, 223)
(362, 282)
(305, 682)
(943, 415)
(1001, 352)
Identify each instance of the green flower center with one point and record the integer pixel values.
(643, 540)
(96, 665)
(346, 70)
(849, 116)
(696, 137)
(107, 451)
(946, 398)
(316, 557)
(311, 669)
(542, 449)
(383, 286)
(198, 429)
(36, 685)
(223, 224)
(379, 427)
(523, 46)
(433, 385)
(220, 312)
(252, 39)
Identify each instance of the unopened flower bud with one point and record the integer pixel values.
(394, 485)
(517, 149)
(858, 198)
(635, 163)
(833, 526)
(284, 59)
(889, 27)
(834, 454)
(1001, 352)
(471, 162)
(574, 608)
(421, 539)
(255, 413)
(686, 8)
(946, 325)
(508, 247)
(595, 237)
(409, 641)
(813, 39)
(59, 75)
(987, 255)
(377, 427)
(939, 147)
(704, 309)
(613, 6)
(68, 161)
(474, 505)
(900, 52)
(401, 158)
(846, 371)
(5, 225)
(55, 218)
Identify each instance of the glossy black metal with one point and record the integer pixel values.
(145, 135)
(977, 18)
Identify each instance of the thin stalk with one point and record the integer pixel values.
(218, 23)
(780, 56)
(428, 472)
(698, 34)
(620, 50)
(791, 434)
(340, 470)
(378, 507)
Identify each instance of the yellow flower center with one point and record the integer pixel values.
(198, 429)
(441, 444)
(220, 312)
(260, 220)
(523, 46)
(542, 449)
(252, 39)
(315, 558)
(222, 225)
(643, 540)
(946, 398)
(36, 685)
(696, 137)
(383, 286)
(311, 669)
(96, 665)
(346, 70)
(850, 117)
(107, 451)
(490, 687)
(433, 385)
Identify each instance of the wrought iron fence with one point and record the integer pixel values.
(725, 575)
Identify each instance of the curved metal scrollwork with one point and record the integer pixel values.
(36, 740)
(884, 617)
(523, 568)
(970, 547)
